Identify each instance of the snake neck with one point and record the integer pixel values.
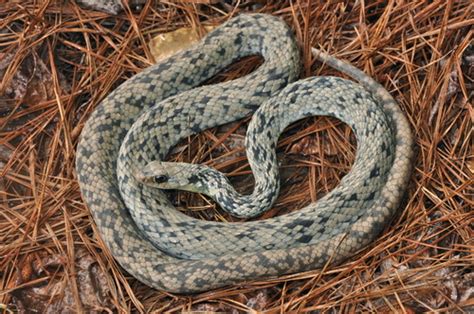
(214, 184)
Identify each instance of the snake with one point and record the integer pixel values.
(123, 173)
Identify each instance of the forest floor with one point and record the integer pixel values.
(59, 60)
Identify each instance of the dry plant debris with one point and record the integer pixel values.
(58, 60)
(167, 44)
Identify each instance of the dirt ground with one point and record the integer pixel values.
(58, 60)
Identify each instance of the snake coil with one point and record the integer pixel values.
(144, 117)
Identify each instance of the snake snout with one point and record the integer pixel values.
(140, 176)
(149, 172)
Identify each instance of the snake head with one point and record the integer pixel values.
(174, 175)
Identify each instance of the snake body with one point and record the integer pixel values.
(144, 117)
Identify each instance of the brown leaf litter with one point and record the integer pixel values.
(59, 60)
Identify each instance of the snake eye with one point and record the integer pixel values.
(160, 179)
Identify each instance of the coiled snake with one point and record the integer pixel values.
(143, 118)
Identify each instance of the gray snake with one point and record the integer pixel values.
(129, 134)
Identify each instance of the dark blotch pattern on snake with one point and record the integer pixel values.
(133, 129)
